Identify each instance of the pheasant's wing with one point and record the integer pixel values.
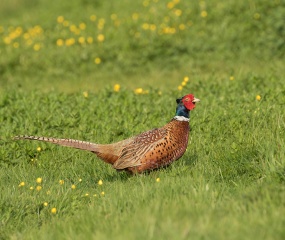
(132, 153)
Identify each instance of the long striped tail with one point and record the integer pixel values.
(93, 147)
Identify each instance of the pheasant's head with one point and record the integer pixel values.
(186, 104)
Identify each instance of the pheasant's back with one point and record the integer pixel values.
(156, 148)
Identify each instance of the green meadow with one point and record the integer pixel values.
(103, 71)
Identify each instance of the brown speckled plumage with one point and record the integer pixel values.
(147, 151)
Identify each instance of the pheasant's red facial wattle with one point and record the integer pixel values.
(189, 101)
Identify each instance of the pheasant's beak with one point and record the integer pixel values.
(195, 100)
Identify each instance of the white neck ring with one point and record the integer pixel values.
(181, 118)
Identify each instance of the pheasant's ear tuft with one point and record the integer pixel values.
(188, 101)
(178, 100)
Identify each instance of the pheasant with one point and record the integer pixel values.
(147, 151)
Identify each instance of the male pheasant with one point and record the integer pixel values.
(147, 151)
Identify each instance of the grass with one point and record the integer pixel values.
(146, 40)
(230, 182)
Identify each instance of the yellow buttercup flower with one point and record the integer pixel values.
(81, 40)
(145, 26)
(101, 23)
(39, 188)
(169, 30)
(100, 182)
(72, 28)
(39, 180)
(37, 29)
(204, 14)
(180, 88)
(232, 78)
(73, 186)
(37, 47)
(65, 23)
(85, 94)
(152, 27)
(82, 26)
(77, 31)
(16, 45)
(61, 182)
(114, 16)
(45, 204)
(135, 16)
(141, 91)
(100, 38)
(60, 19)
(90, 40)
(117, 23)
(7, 40)
(138, 91)
(93, 18)
(178, 12)
(182, 26)
(53, 210)
(145, 3)
(258, 97)
(59, 42)
(170, 5)
(39, 149)
(117, 87)
(22, 184)
(69, 41)
(97, 60)
(157, 180)
(29, 42)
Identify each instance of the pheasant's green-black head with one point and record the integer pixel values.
(186, 104)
